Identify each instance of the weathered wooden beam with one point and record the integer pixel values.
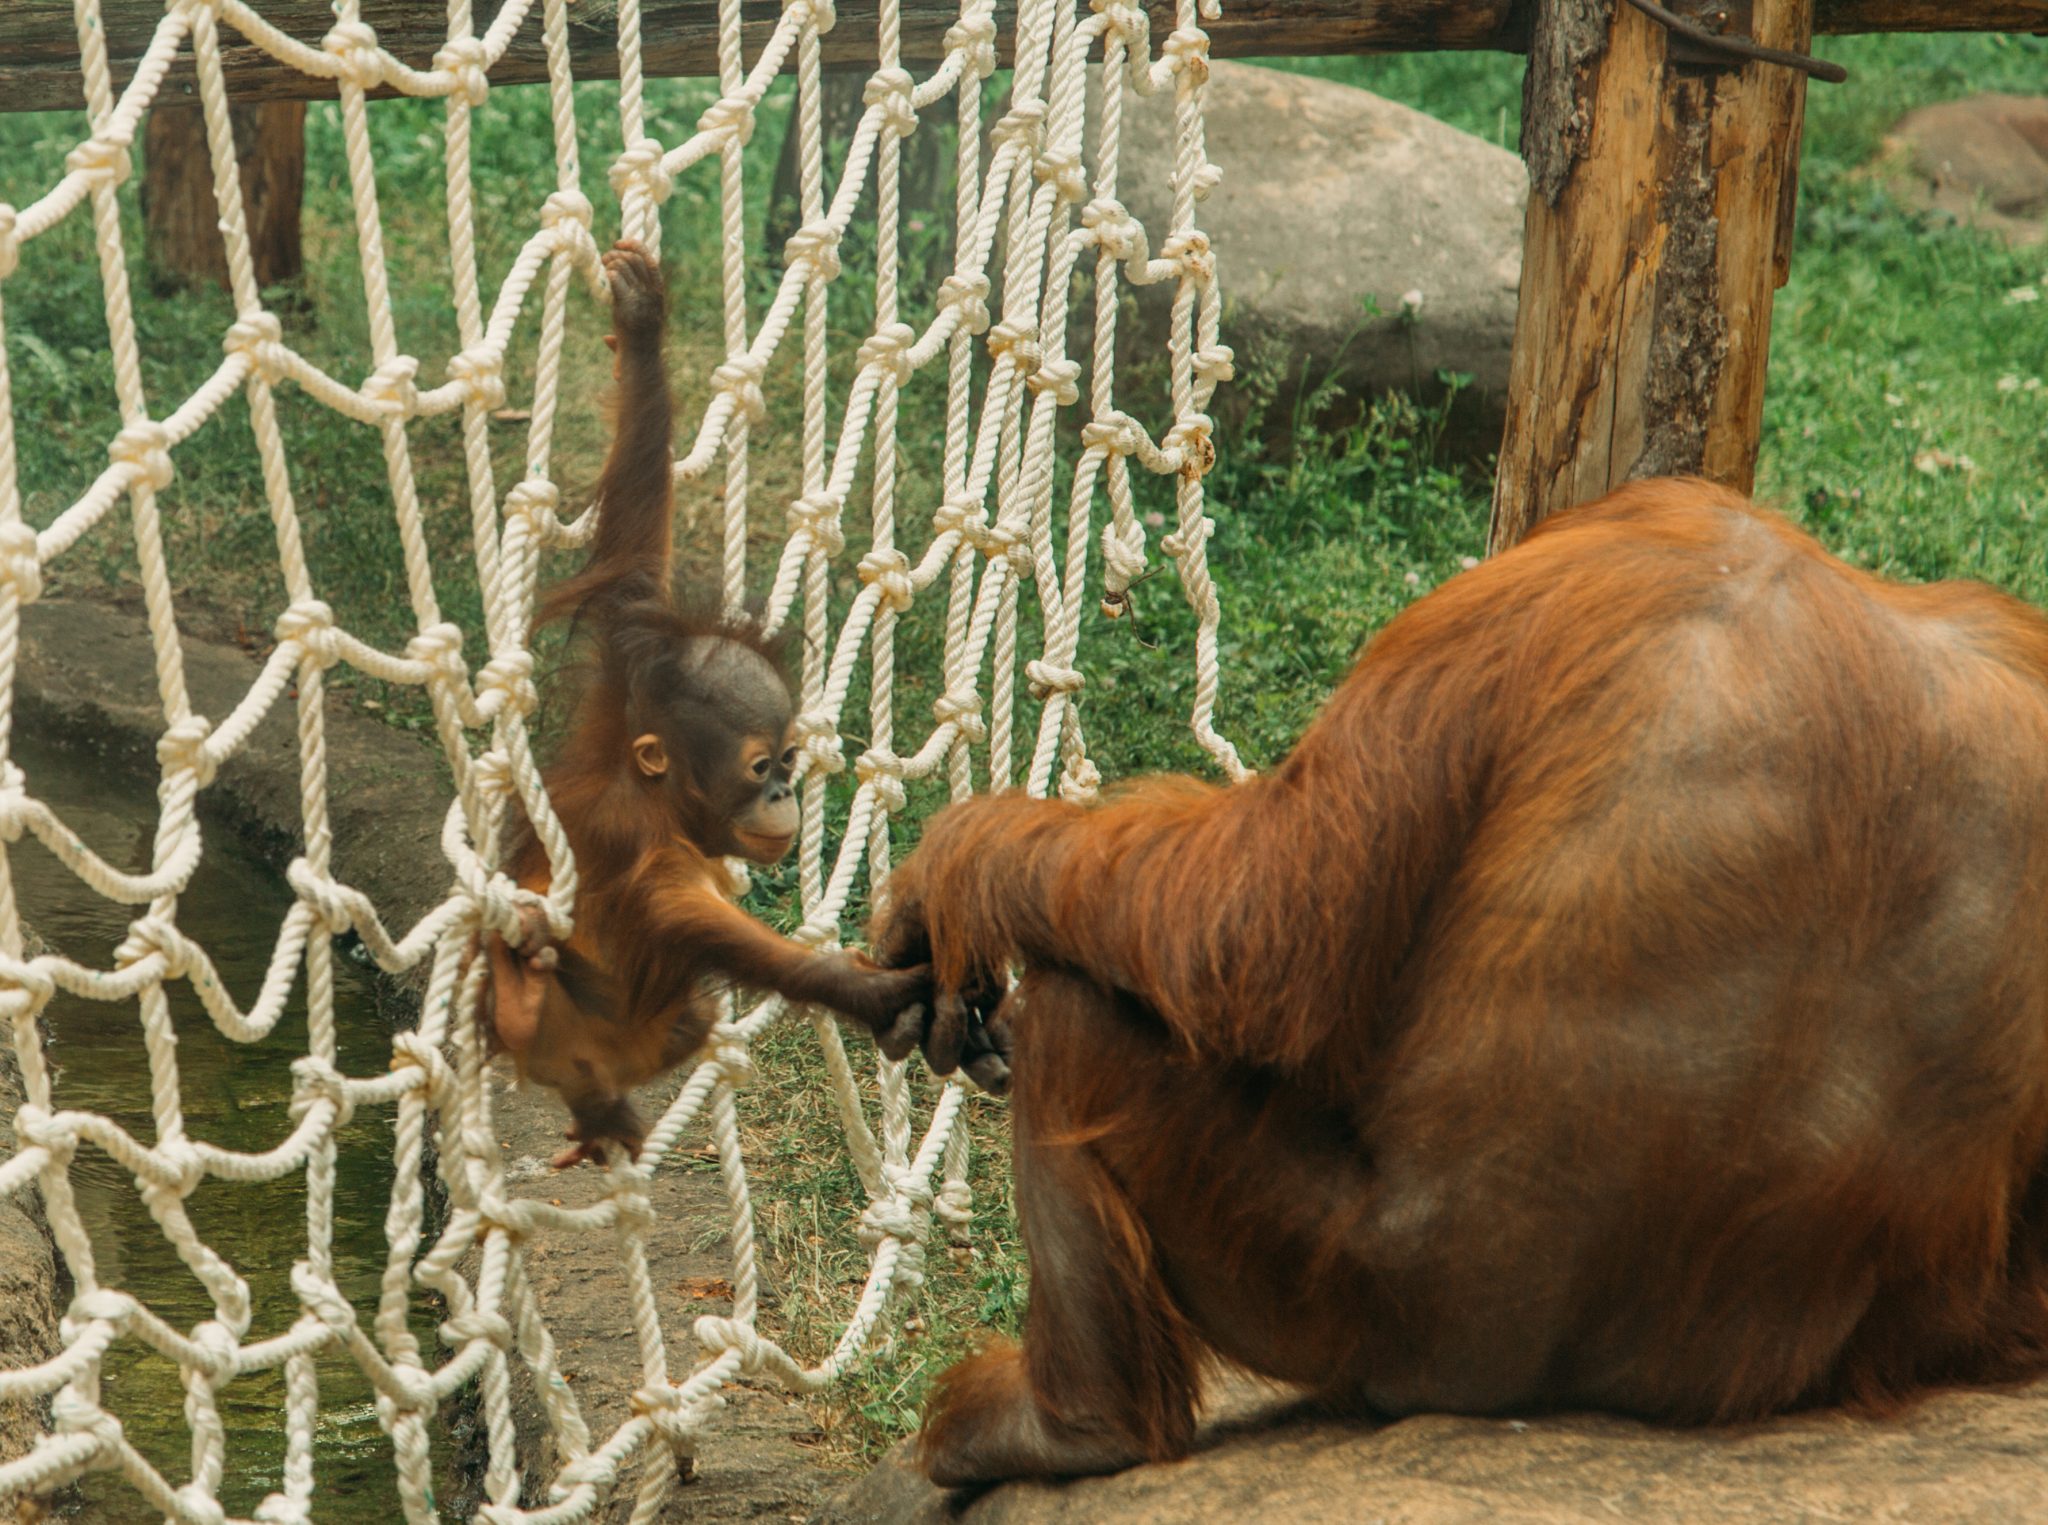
(39, 42)
(1659, 224)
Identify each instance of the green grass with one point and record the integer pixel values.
(1895, 340)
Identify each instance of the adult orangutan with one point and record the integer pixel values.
(1632, 993)
(680, 753)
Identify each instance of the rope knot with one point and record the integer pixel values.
(183, 1167)
(154, 937)
(904, 1215)
(889, 570)
(309, 624)
(815, 244)
(821, 742)
(1013, 544)
(962, 709)
(1061, 377)
(816, 514)
(390, 387)
(640, 165)
(439, 649)
(888, 350)
(19, 975)
(1048, 678)
(1117, 233)
(1215, 365)
(72, 1415)
(411, 1051)
(1113, 434)
(566, 207)
(146, 446)
(482, 374)
(969, 293)
(102, 1305)
(954, 1207)
(1019, 341)
(740, 379)
(882, 771)
(103, 161)
(10, 242)
(182, 748)
(218, 1350)
(35, 1126)
(1187, 49)
(974, 36)
(1187, 541)
(1123, 560)
(718, 1335)
(464, 60)
(21, 563)
(966, 515)
(1128, 19)
(1191, 253)
(312, 1081)
(731, 118)
(1023, 124)
(1062, 171)
(333, 903)
(535, 500)
(1080, 780)
(477, 1324)
(820, 14)
(1190, 439)
(735, 1061)
(353, 45)
(894, 92)
(259, 336)
(505, 683)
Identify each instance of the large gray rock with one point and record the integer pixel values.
(1983, 161)
(1332, 198)
(1980, 1458)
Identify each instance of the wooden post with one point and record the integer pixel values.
(182, 219)
(1659, 228)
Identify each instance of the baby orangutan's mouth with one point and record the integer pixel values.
(765, 850)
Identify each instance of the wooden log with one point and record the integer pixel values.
(39, 40)
(181, 219)
(1658, 231)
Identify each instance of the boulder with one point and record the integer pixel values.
(1980, 1458)
(1334, 202)
(1982, 160)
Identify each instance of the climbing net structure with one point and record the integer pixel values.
(1037, 202)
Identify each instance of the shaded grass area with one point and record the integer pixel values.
(1904, 424)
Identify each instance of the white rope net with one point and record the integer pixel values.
(1049, 199)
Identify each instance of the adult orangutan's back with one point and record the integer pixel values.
(1632, 992)
(1728, 1046)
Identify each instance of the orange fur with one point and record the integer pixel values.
(658, 939)
(1632, 992)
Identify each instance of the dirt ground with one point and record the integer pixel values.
(87, 678)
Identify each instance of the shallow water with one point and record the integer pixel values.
(235, 1095)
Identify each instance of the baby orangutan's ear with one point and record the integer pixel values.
(651, 755)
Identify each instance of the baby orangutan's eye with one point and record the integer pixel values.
(760, 767)
(789, 757)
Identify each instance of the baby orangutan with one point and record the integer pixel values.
(680, 753)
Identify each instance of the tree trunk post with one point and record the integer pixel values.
(180, 216)
(1659, 228)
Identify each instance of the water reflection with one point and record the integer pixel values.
(235, 1095)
